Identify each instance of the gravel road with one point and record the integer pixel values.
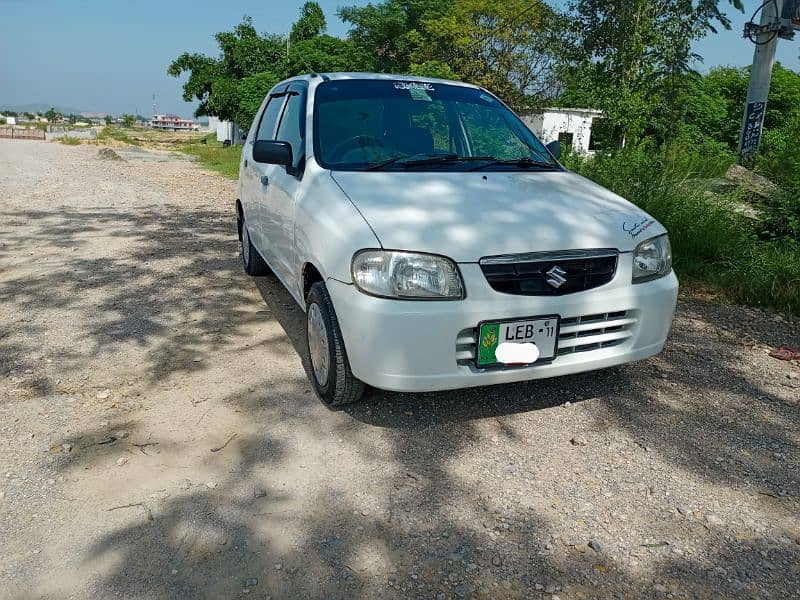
(159, 437)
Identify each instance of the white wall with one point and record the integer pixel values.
(548, 124)
(226, 130)
(580, 126)
(81, 134)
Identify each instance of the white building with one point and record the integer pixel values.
(226, 130)
(570, 126)
(172, 123)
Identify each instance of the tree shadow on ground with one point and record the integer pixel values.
(409, 519)
(406, 524)
(166, 285)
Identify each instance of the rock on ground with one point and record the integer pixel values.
(117, 275)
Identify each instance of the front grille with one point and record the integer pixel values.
(593, 332)
(466, 346)
(576, 334)
(528, 274)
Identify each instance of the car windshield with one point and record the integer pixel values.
(381, 124)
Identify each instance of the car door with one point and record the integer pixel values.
(284, 186)
(255, 176)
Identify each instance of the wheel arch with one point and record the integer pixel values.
(310, 275)
(239, 218)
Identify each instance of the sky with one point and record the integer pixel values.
(111, 56)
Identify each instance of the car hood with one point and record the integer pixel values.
(467, 216)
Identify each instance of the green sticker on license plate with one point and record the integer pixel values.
(539, 331)
(488, 339)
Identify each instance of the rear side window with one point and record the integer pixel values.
(266, 129)
(291, 127)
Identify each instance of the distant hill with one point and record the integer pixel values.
(40, 108)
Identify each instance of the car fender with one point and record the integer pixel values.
(328, 228)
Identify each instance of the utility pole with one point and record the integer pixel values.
(765, 37)
(779, 20)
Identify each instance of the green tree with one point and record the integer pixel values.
(323, 54)
(250, 92)
(233, 85)
(310, 24)
(714, 102)
(50, 114)
(384, 33)
(215, 82)
(630, 57)
(108, 119)
(507, 46)
(128, 120)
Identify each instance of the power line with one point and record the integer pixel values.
(749, 34)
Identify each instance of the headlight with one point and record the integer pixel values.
(652, 259)
(407, 275)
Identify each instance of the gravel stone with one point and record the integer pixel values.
(123, 272)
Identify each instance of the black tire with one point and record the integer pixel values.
(252, 261)
(341, 386)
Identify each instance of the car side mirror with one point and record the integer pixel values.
(273, 152)
(555, 148)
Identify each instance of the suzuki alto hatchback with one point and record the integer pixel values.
(435, 243)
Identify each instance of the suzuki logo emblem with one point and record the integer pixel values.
(555, 276)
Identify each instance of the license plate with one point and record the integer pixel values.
(542, 331)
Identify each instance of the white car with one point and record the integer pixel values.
(435, 243)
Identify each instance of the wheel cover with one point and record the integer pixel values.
(245, 245)
(318, 344)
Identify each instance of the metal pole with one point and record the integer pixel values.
(760, 77)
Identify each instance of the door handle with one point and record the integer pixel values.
(245, 162)
(264, 180)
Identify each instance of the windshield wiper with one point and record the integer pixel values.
(517, 162)
(418, 160)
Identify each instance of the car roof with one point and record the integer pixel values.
(378, 76)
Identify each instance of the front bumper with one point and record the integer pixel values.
(415, 346)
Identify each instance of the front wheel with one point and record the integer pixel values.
(330, 370)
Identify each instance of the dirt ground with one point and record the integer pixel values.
(159, 437)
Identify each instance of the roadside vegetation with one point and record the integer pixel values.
(118, 134)
(213, 155)
(209, 152)
(715, 246)
(667, 139)
(69, 140)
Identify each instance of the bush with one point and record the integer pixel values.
(711, 242)
(780, 217)
(779, 160)
(114, 133)
(69, 140)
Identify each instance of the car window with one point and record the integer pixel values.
(346, 119)
(433, 118)
(290, 129)
(386, 124)
(488, 132)
(266, 128)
